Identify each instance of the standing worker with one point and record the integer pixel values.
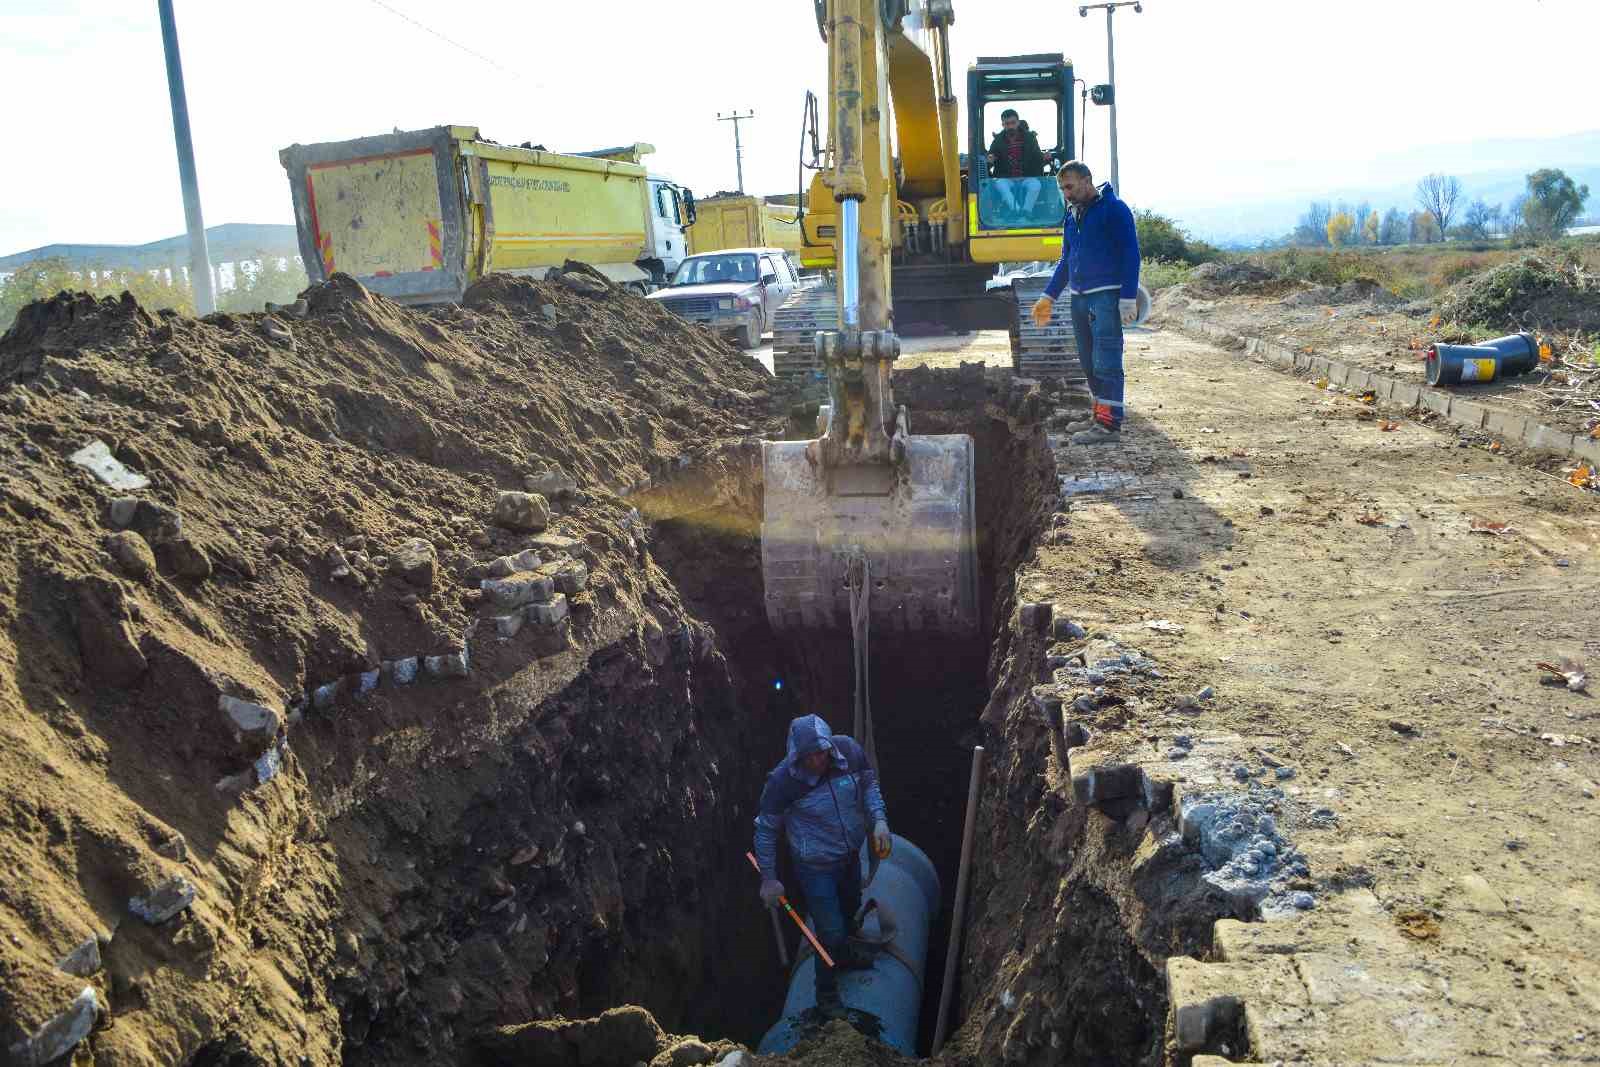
(1100, 266)
(825, 793)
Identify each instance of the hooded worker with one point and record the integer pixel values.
(825, 794)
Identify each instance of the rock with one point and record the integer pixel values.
(268, 764)
(550, 483)
(526, 560)
(186, 559)
(509, 625)
(1303, 900)
(61, 1034)
(83, 960)
(521, 511)
(555, 544)
(254, 726)
(106, 641)
(550, 614)
(131, 554)
(583, 283)
(572, 578)
(121, 511)
(297, 310)
(415, 561)
(174, 848)
(165, 901)
(689, 1052)
(96, 458)
(508, 594)
(338, 566)
(450, 665)
(1064, 629)
(736, 1059)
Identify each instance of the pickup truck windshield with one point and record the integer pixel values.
(709, 270)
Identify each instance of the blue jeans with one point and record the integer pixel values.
(1097, 324)
(833, 897)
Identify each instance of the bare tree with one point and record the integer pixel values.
(1437, 194)
(1312, 229)
(1480, 219)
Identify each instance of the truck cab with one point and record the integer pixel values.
(672, 212)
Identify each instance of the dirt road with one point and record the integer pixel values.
(1358, 631)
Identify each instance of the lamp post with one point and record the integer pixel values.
(1111, 74)
(738, 149)
(205, 301)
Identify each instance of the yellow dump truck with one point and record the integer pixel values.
(418, 216)
(733, 220)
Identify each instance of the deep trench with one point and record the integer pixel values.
(927, 692)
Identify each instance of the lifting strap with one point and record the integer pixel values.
(858, 572)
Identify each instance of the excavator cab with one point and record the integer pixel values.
(1011, 215)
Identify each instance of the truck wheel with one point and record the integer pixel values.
(751, 337)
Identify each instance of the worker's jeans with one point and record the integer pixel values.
(833, 897)
(1097, 324)
(1030, 192)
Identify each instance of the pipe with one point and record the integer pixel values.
(958, 916)
(850, 263)
(205, 301)
(907, 889)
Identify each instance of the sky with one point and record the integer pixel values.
(1218, 100)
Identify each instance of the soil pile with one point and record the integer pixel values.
(1223, 278)
(1538, 292)
(280, 775)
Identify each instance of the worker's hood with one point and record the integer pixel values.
(708, 289)
(808, 734)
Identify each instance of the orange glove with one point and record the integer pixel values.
(1041, 311)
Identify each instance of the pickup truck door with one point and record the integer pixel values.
(775, 292)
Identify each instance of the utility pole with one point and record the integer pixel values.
(738, 149)
(1111, 75)
(205, 301)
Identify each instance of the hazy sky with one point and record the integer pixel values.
(1218, 98)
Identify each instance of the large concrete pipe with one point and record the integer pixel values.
(907, 892)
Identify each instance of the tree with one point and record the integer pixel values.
(1438, 194)
(1363, 212)
(1424, 229)
(1312, 228)
(1340, 227)
(1395, 228)
(1554, 202)
(1370, 230)
(1480, 220)
(1162, 238)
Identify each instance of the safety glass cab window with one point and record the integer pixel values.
(1007, 200)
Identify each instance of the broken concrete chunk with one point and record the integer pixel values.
(96, 458)
(510, 593)
(550, 483)
(268, 765)
(549, 614)
(121, 511)
(254, 726)
(61, 1034)
(404, 671)
(165, 901)
(186, 559)
(572, 578)
(83, 960)
(526, 560)
(450, 665)
(415, 561)
(133, 556)
(521, 511)
(509, 625)
(554, 544)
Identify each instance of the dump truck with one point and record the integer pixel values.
(418, 216)
(734, 220)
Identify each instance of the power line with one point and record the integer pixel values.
(449, 41)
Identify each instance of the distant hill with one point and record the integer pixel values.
(1494, 170)
(228, 243)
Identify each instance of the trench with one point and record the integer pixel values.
(683, 934)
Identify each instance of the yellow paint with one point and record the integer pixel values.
(1009, 246)
(916, 119)
(372, 213)
(550, 208)
(743, 222)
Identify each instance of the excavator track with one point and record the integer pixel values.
(794, 331)
(1044, 352)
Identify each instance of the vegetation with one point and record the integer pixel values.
(1162, 239)
(254, 284)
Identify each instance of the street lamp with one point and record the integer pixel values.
(1110, 96)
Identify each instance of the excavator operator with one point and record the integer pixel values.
(824, 792)
(1015, 159)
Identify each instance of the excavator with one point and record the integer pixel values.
(870, 524)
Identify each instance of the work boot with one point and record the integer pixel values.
(829, 1006)
(1098, 434)
(1079, 425)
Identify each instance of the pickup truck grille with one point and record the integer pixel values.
(692, 307)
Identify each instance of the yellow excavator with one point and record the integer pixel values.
(871, 523)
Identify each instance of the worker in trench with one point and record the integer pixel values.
(824, 794)
(1100, 267)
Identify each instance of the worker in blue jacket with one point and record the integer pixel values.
(825, 794)
(1100, 266)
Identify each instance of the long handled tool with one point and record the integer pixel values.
(804, 929)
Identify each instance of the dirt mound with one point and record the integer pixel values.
(1536, 292)
(1224, 278)
(1358, 291)
(243, 610)
(621, 1037)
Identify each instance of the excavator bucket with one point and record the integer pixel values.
(913, 521)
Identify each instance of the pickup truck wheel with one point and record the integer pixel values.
(751, 337)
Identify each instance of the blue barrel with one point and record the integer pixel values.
(1502, 357)
(907, 887)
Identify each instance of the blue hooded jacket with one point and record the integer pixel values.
(827, 816)
(1099, 251)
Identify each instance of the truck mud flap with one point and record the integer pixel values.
(916, 523)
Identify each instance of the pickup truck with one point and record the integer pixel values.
(736, 291)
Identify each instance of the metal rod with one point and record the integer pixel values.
(777, 935)
(1111, 80)
(850, 263)
(205, 301)
(958, 917)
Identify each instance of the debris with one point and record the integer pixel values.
(1495, 529)
(131, 554)
(415, 561)
(1570, 673)
(522, 511)
(1563, 740)
(1583, 477)
(97, 459)
(1388, 425)
(1345, 750)
(83, 960)
(165, 901)
(1370, 518)
(1163, 626)
(58, 1036)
